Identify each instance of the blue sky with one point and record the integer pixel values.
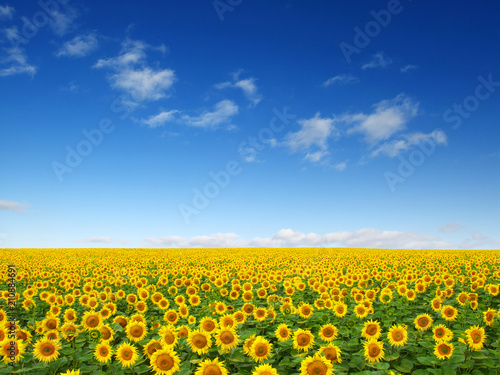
(249, 123)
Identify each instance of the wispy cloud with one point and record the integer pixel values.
(481, 241)
(363, 238)
(96, 240)
(6, 12)
(248, 86)
(340, 79)
(451, 227)
(13, 206)
(160, 119)
(406, 68)
(15, 61)
(312, 137)
(393, 148)
(133, 76)
(79, 46)
(222, 114)
(63, 22)
(341, 166)
(388, 118)
(379, 60)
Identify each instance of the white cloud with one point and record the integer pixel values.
(451, 227)
(96, 240)
(314, 133)
(6, 12)
(481, 241)
(394, 147)
(379, 60)
(160, 119)
(15, 62)
(248, 87)
(133, 76)
(341, 166)
(13, 206)
(363, 238)
(388, 118)
(63, 22)
(222, 113)
(404, 69)
(79, 46)
(340, 79)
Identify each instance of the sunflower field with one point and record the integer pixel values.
(314, 311)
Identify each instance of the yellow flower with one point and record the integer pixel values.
(151, 347)
(168, 335)
(475, 337)
(371, 329)
(397, 335)
(126, 354)
(303, 340)
(423, 322)
(443, 349)
(226, 338)
(283, 332)
(374, 350)
(316, 365)
(136, 331)
(328, 332)
(264, 370)
(165, 361)
(449, 313)
(332, 353)
(103, 352)
(199, 341)
(46, 350)
(260, 349)
(209, 367)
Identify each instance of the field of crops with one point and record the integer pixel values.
(249, 311)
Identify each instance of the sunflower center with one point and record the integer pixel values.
(104, 352)
(317, 368)
(127, 354)
(261, 350)
(227, 337)
(444, 349)
(476, 337)
(48, 350)
(212, 370)
(199, 341)
(164, 362)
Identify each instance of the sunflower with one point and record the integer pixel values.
(305, 310)
(303, 340)
(423, 322)
(9, 349)
(443, 349)
(208, 324)
(371, 329)
(332, 353)
(397, 335)
(183, 331)
(475, 337)
(103, 352)
(91, 320)
(209, 367)
(283, 332)
(361, 311)
(171, 317)
(151, 347)
(199, 341)
(226, 338)
(449, 313)
(442, 333)
(316, 365)
(126, 354)
(248, 344)
(328, 332)
(264, 370)
(374, 350)
(260, 349)
(50, 323)
(489, 316)
(136, 331)
(227, 321)
(168, 335)
(340, 310)
(46, 350)
(259, 314)
(165, 361)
